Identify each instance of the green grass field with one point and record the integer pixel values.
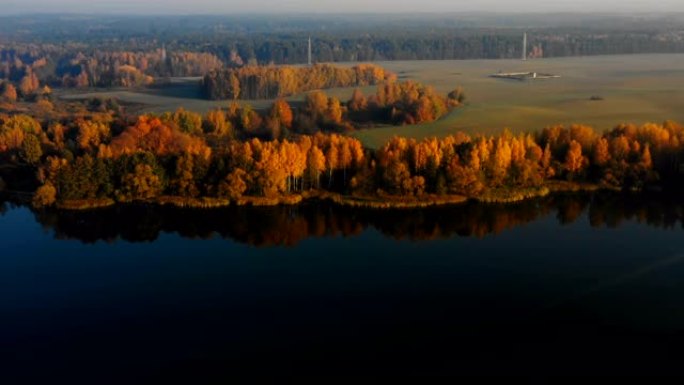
(635, 88)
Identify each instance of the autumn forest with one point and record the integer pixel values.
(94, 153)
(186, 159)
(201, 194)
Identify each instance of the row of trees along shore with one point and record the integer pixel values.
(95, 159)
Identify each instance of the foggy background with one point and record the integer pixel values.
(334, 6)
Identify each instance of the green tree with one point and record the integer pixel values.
(31, 150)
(184, 181)
(188, 122)
(142, 183)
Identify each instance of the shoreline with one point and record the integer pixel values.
(502, 195)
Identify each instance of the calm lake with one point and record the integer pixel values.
(564, 284)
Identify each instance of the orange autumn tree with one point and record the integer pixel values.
(91, 133)
(29, 84)
(601, 154)
(358, 101)
(14, 129)
(234, 185)
(573, 158)
(315, 164)
(270, 173)
(218, 124)
(150, 134)
(9, 93)
(279, 119)
(282, 113)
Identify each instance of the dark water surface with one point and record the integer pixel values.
(560, 285)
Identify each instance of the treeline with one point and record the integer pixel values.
(450, 45)
(393, 103)
(133, 52)
(185, 155)
(29, 68)
(405, 102)
(98, 159)
(625, 157)
(153, 159)
(129, 69)
(95, 122)
(83, 63)
(339, 38)
(269, 82)
(20, 75)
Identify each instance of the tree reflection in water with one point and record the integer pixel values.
(287, 226)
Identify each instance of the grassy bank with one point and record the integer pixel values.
(392, 202)
(511, 195)
(85, 204)
(498, 195)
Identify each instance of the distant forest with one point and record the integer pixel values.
(94, 51)
(259, 82)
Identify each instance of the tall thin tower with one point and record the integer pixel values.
(524, 47)
(309, 51)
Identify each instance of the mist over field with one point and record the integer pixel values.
(351, 6)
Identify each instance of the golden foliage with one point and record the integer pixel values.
(270, 82)
(143, 183)
(152, 135)
(46, 195)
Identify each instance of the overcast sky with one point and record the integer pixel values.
(328, 6)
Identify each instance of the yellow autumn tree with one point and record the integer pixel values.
(281, 111)
(315, 165)
(601, 154)
(46, 195)
(184, 180)
(218, 124)
(142, 183)
(573, 158)
(234, 185)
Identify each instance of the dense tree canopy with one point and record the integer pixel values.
(270, 82)
(158, 156)
(39, 51)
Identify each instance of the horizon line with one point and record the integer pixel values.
(333, 13)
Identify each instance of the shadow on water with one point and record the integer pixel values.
(548, 299)
(287, 226)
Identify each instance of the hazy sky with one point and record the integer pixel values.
(326, 6)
